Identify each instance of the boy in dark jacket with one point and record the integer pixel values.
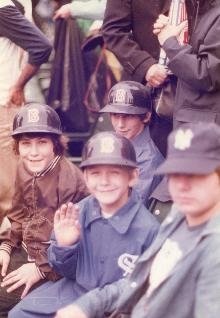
(45, 179)
(101, 243)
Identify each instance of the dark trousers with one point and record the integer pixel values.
(9, 300)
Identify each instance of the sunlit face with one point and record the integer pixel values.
(110, 185)
(36, 153)
(197, 196)
(125, 125)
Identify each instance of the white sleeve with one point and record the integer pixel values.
(92, 9)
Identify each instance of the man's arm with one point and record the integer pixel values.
(15, 27)
(93, 9)
(96, 303)
(117, 27)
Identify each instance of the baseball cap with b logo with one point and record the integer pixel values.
(192, 149)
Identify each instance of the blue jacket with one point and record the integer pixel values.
(106, 252)
(148, 159)
(191, 290)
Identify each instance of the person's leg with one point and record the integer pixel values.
(8, 160)
(8, 300)
(44, 301)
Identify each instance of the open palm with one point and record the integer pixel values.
(66, 224)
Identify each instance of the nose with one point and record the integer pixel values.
(104, 178)
(182, 182)
(121, 121)
(34, 150)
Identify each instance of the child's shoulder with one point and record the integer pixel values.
(66, 166)
(145, 218)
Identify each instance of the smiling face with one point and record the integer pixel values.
(128, 126)
(36, 153)
(110, 185)
(197, 196)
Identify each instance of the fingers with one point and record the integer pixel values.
(68, 211)
(63, 12)
(25, 291)
(5, 264)
(182, 26)
(12, 279)
(156, 75)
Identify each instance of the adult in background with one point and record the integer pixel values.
(197, 64)
(23, 49)
(128, 33)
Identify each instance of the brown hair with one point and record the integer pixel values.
(59, 141)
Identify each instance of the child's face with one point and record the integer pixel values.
(36, 153)
(110, 185)
(125, 125)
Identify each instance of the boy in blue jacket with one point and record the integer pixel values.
(129, 106)
(98, 242)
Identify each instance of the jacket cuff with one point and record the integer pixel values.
(42, 275)
(6, 247)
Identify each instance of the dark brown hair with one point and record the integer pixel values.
(59, 141)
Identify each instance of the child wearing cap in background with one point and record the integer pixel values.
(100, 244)
(45, 179)
(179, 275)
(129, 106)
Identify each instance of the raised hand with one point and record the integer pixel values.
(27, 275)
(66, 224)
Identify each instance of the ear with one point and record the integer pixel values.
(147, 118)
(133, 177)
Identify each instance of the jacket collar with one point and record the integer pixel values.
(142, 138)
(170, 224)
(121, 220)
(49, 168)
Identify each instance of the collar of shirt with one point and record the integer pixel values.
(121, 220)
(212, 226)
(142, 138)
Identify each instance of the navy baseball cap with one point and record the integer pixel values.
(192, 149)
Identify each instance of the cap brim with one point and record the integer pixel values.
(188, 166)
(107, 161)
(124, 109)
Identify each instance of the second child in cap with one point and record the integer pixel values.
(129, 106)
(45, 179)
(99, 241)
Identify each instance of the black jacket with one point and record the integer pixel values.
(128, 33)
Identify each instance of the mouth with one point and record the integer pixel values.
(123, 132)
(106, 190)
(183, 200)
(30, 160)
